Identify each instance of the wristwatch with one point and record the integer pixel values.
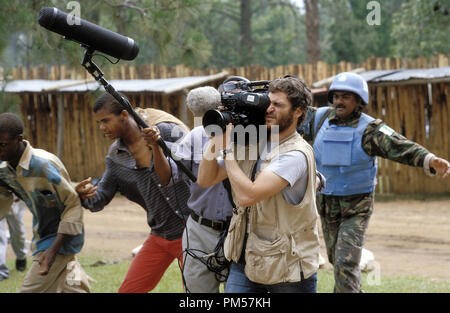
(226, 151)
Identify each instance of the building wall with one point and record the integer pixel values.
(420, 113)
(84, 148)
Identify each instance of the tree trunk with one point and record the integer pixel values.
(312, 31)
(246, 32)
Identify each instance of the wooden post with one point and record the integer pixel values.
(133, 72)
(442, 61)
(60, 138)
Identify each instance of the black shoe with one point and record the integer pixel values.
(3, 278)
(21, 265)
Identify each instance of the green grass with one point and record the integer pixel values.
(387, 284)
(109, 277)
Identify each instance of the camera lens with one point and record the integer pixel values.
(215, 120)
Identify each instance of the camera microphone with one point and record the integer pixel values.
(88, 34)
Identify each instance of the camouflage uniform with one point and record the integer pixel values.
(345, 218)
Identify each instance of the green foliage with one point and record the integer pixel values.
(280, 36)
(346, 34)
(190, 32)
(422, 28)
(156, 25)
(28, 43)
(207, 33)
(222, 32)
(277, 33)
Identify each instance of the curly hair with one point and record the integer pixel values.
(296, 90)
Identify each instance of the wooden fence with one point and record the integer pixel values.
(309, 72)
(406, 108)
(84, 147)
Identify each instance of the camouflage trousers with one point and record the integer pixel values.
(344, 223)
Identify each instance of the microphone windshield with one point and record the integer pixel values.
(88, 34)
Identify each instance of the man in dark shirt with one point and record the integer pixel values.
(133, 168)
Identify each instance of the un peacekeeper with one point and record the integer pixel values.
(346, 143)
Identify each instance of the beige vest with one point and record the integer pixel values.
(283, 238)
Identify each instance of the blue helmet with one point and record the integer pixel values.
(352, 82)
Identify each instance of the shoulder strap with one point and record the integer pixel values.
(321, 116)
(227, 185)
(254, 168)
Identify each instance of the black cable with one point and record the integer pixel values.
(101, 55)
(214, 261)
(180, 256)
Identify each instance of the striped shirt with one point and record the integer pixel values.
(166, 206)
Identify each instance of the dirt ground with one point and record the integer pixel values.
(407, 237)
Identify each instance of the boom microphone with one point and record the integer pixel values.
(88, 34)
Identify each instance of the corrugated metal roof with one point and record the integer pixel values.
(163, 85)
(401, 76)
(430, 74)
(371, 75)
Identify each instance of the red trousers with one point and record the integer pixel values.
(150, 263)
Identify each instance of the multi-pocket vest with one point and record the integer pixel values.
(282, 238)
(341, 159)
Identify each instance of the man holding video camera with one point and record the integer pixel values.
(273, 238)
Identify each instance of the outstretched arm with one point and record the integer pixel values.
(380, 140)
(95, 198)
(440, 166)
(85, 189)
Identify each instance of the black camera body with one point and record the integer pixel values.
(244, 107)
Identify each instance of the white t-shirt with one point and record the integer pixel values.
(293, 167)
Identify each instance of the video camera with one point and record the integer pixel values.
(245, 103)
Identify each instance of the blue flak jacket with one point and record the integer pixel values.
(342, 160)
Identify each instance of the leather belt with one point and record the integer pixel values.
(216, 225)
